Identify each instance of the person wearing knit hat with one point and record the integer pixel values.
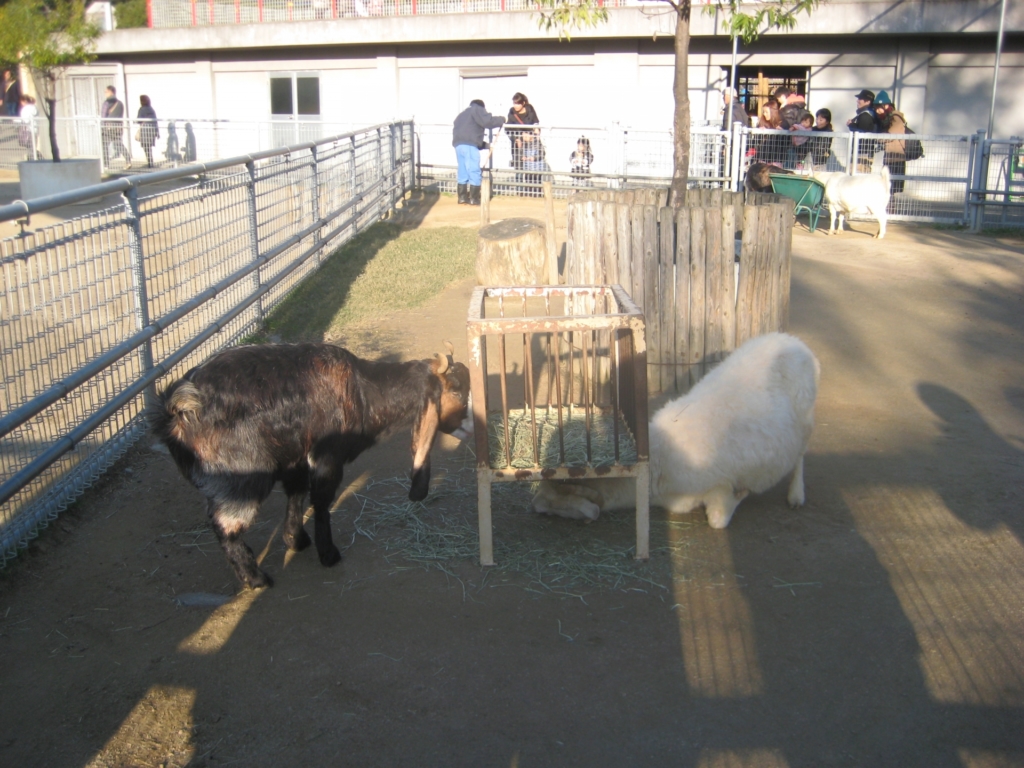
(891, 121)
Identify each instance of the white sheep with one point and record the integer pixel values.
(739, 430)
(845, 194)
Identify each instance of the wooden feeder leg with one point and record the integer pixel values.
(483, 505)
(643, 512)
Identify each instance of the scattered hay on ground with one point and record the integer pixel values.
(555, 555)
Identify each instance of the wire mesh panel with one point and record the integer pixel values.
(200, 13)
(932, 187)
(999, 184)
(609, 157)
(559, 384)
(96, 311)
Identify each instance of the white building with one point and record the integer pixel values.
(934, 57)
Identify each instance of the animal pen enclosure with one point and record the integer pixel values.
(708, 276)
(565, 398)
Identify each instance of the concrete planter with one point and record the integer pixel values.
(41, 178)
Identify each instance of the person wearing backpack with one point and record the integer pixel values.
(891, 121)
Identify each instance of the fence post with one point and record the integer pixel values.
(380, 163)
(978, 182)
(354, 183)
(139, 292)
(850, 153)
(393, 174)
(315, 202)
(254, 234)
(739, 149)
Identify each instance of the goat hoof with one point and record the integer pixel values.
(258, 580)
(297, 542)
(331, 557)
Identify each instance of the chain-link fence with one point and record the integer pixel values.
(202, 13)
(997, 192)
(574, 158)
(125, 145)
(930, 188)
(98, 310)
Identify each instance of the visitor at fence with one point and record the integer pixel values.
(27, 130)
(527, 150)
(580, 161)
(821, 146)
(148, 131)
(733, 111)
(892, 121)
(770, 148)
(468, 140)
(173, 149)
(792, 107)
(799, 140)
(112, 127)
(11, 94)
(864, 122)
(190, 144)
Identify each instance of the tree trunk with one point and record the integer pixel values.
(681, 119)
(51, 119)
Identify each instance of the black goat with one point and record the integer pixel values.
(757, 178)
(297, 413)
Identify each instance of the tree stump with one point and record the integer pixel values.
(512, 252)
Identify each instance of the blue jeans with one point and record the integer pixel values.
(469, 164)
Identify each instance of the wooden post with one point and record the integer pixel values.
(666, 300)
(624, 234)
(787, 260)
(728, 277)
(748, 265)
(637, 254)
(697, 287)
(485, 200)
(682, 292)
(651, 298)
(549, 230)
(713, 284)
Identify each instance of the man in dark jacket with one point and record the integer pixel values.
(864, 122)
(112, 127)
(468, 140)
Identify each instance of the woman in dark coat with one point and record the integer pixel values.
(527, 151)
(149, 131)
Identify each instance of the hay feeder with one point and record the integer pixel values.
(559, 383)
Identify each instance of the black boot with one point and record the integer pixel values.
(474, 195)
(463, 194)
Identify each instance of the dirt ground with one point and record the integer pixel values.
(880, 625)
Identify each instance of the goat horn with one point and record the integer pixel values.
(450, 347)
(442, 364)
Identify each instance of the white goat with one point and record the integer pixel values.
(741, 429)
(845, 194)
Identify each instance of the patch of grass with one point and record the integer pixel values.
(1011, 233)
(381, 270)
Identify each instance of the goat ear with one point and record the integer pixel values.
(440, 364)
(422, 440)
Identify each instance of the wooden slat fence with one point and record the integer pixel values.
(708, 276)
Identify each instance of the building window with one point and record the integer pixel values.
(757, 84)
(295, 108)
(295, 96)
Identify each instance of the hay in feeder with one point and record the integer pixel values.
(574, 425)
